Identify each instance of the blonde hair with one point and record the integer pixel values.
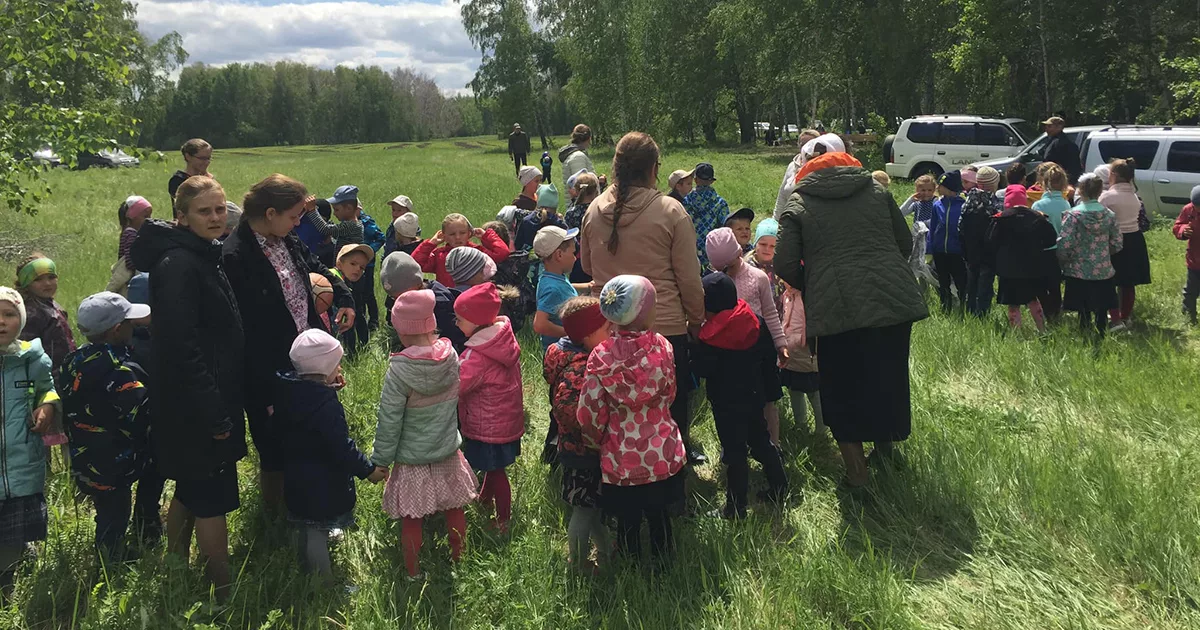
(194, 146)
(576, 304)
(882, 177)
(1054, 178)
(587, 184)
(191, 188)
(1123, 169)
(455, 217)
(925, 179)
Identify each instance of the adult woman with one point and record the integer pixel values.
(860, 301)
(574, 156)
(197, 430)
(197, 155)
(268, 268)
(812, 144)
(633, 229)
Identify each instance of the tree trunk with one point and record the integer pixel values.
(1045, 61)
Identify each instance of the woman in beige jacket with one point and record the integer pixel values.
(634, 229)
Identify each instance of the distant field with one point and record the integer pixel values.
(1048, 486)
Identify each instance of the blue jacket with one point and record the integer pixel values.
(529, 226)
(943, 226)
(25, 384)
(372, 236)
(322, 459)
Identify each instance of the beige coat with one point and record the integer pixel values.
(656, 240)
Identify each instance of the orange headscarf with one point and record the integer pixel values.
(827, 160)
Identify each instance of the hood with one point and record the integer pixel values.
(440, 292)
(1092, 216)
(28, 349)
(1022, 222)
(836, 182)
(566, 152)
(495, 342)
(156, 238)
(428, 370)
(734, 329)
(639, 199)
(623, 364)
(566, 345)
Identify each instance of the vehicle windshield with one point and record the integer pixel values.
(1026, 129)
(1037, 147)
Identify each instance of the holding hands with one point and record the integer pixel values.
(379, 474)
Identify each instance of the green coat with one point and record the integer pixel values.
(845, 245)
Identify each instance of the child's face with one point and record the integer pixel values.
(968, 186)
(457, 234)
(764, 249)
(925, 191)
(352, 266)
(466, 327)
(563, 258)
(124, 334)
(398, 211)
(946, 192)
(685, 185)
(741, 231)
(10, 322)
(45, 286)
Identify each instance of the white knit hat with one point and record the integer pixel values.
(315, 352)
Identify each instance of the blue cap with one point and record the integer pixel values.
(344, 194)
(99, 312)
(704, 170)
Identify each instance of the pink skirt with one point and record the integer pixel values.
(417, 491)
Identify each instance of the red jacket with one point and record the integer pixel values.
(432, 258)
(490, 401)
(1190, 215)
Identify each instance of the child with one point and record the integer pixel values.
(322, 459)
(417, 434)
(1090, 237)
(107, 416)
(969, 178)
(400, 274)
(1185, 226)
(740, 222)
(920, 203)
(762, 257)
(1035, 192)
(37, 280)
(491, 414)
(404, 234)
(681, 183)
(456, 232)
(564, 368)
(555, 247)
(736, 355)
(546, 214)
(1016, 174)
(882, 178)
(352, 262)
(979, 207)
(374, 239)
(131, 215)
(469, 267)
(943, 241)
(400, 206)
(588, 188)
(1018, 237)
(1053, 204)
(348, 230)
(24, 368)
(706, 208)
(800, 374)
(1132, 263)
(755, 289)
(530, 178)
(514, 272)
(625, 407)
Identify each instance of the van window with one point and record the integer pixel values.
(993, 135)
(958, 133)
(1142, 151)
(924, 132)
(1184, 157)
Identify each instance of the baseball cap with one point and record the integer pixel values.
(403, 201)
(99, 312)
(348, 249)
(551, 238)
(516, 125)
(408, 225)
(1054, 120)
(344, 194)
(744, 213)
(678, 176)
(704, 170)
(528, 174)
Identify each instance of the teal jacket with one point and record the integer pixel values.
(418, 410)
(25, 384)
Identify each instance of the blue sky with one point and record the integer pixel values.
(424, 35)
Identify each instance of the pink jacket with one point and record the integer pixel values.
(800, 356)
(490, 399)
(754, 287)
(625, 407)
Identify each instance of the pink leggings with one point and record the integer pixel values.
(496, 492)
(1035, 311)
(1128, 296)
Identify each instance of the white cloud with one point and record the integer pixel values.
(428, 38)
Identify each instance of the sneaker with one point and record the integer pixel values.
(729, 513)
(696, 457)
(1117, 326)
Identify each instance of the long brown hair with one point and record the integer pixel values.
(633, 164)
(277, 191)
(191, 188)
(581, 133)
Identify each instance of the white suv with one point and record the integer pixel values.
(936, 144)
(1167, 158)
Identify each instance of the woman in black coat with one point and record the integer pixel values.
(268, 267)
(197, 430)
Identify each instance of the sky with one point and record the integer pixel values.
(426, 36)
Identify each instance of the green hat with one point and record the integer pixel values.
(547, 196)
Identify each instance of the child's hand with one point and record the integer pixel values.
(43, 417)
(783, 357)
(339, 382)
(379, 474)
(603, 180)
(1187, 231)
(344, 319)
(477, 233)
(310, 203)
(439, 238)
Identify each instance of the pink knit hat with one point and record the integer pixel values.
(1015, 197)
(315, 352)
(722, 247)
(479, 305)
(412, 314)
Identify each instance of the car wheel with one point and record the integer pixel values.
(926, 168)
(887, 148)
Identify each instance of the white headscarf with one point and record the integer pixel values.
(1103, 172)
(11, 295)
(833, 144)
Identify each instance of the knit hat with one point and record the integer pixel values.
(951, 180)
(528, 174)
(400, 273)
(479, 305)
(1015, 197)
(766, 227)
(626, 300)
(720, 293)
(412, 314)
(489, 268)
(137, 206)
(547, 196)
(583, 322)
(1196, 196)
(969, 177)
(11, 295)
(508, 216)
(1103, 172)
(315, 352)
(408, 225)
(722, 247)
(987, 176)
(464, 262)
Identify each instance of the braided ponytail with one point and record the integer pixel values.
(633, 165)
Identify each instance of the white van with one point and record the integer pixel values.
(936, 144)
(1167, 158)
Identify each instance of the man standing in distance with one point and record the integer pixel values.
(1061, 150)
(518, 147)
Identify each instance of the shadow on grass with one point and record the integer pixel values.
(1149, 337)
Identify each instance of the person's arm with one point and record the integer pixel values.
(900, 229)
(1183, 222)
(471, 371)
(703, 360)
(766, 297)
(1046, 234)
(494, 246)
(44, 395)
(1116, 241)
(393, 403)
(789, 251)
(593, 412)
(1066, 239)
(585, 250)
(543, 326)
(686, 266)
(423, 254)
(910, 205)
(339, 446)
(324, 227)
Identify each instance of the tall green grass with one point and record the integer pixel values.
(1048, 484)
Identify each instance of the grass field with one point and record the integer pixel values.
(1048, 485)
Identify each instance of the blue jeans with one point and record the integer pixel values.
(981, 282)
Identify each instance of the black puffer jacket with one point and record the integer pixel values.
(270, 329)
(198, 360)
(1019, 241)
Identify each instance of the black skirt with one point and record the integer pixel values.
(864, 384)
(1019, 291)
(807, 382)
(581, 487)
(650, 496)
(1090, 295)
(23, 519)
(1132, 263)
